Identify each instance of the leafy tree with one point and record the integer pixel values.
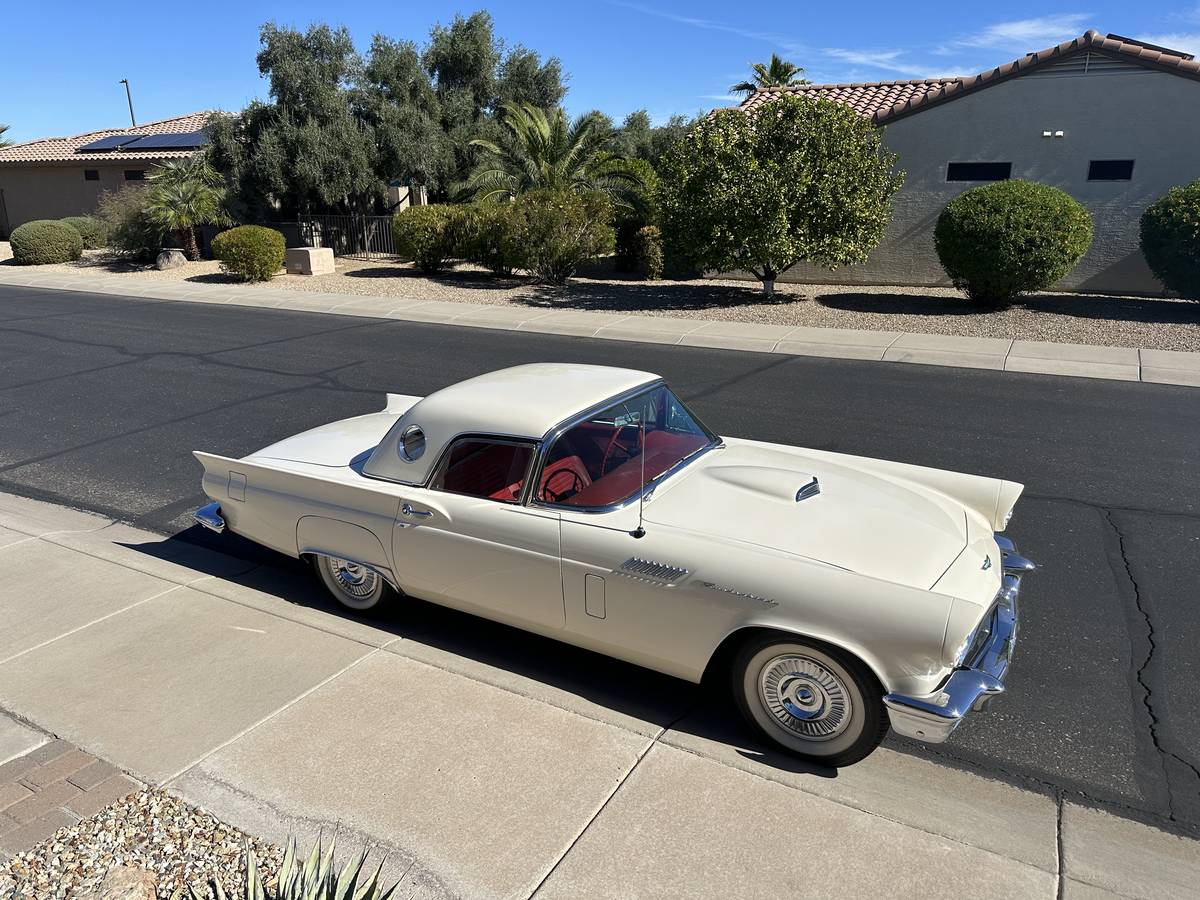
(524, 78)
(547, 151)
(797, 181)
(777, 73)
(184, 194)
(4, 142)
(639, 138)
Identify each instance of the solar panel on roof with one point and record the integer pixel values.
(188, 141)
(112, 142)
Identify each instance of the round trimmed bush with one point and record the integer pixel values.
(1170, 236)
(1003, 239)
(43, 241)
(563, 229)
(91, 229)
(427, 235)
(486, 233)
(253, 252)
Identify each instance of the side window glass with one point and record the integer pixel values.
(493, 470)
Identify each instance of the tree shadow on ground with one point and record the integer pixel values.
(703, 711)
(465, 279)
(215, 278)
(634, 296)
(1148, 310)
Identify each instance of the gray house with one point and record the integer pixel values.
(1113, 121)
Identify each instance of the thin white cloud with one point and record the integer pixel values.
(1187, 41)
(722, 98)
(1027, 35)
(886, 60)
(706, 24)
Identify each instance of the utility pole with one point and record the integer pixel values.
(129, 97)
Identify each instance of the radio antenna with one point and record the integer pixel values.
(640, 532)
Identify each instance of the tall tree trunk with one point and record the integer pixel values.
(191, 249)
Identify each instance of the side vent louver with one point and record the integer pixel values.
(645, 570)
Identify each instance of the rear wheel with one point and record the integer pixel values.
(352, 584)
(810, 699)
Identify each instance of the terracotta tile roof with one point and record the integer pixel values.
(63, 149)
(886, 101)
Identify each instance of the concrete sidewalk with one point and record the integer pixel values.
(1042, 357)
(488, 763)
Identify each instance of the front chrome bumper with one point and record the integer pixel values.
(210, 517)
(934, 717)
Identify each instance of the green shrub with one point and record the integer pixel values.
(90, 229)
(131, 228)
(1003, 239)
(486, 233)
(560, 230)
(642, 212)
(1170, 233)
(648, 252)
(251, 251)
(43, 241)
(427, 235)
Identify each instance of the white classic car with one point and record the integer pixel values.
(837, 593)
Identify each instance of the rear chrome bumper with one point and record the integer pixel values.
(934, 717)
(210, 517)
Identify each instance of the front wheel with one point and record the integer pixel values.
(810, 699)
(353, 585)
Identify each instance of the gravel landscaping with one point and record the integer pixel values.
(1155, 323)
(153, 830)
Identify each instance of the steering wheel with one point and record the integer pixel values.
(614, 443)
(555, 496)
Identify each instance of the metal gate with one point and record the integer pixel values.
(354, 237)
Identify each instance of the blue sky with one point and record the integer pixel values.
(64, 60)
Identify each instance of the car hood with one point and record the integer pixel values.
(876, 525)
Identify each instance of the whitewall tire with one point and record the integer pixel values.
(353, 585)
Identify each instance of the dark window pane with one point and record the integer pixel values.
(91, 174)
(486, 469)
(1110, 170)
(135, 174)
(978, 171)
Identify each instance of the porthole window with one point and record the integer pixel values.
(412, 443)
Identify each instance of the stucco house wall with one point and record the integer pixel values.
(1116, 111)
(52, 192)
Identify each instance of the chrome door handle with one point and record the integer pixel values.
(407, 510)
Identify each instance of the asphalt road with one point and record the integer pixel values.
(103, 398)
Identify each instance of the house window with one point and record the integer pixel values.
(91, 174)
(135, 174)
(978, 171)
(1110, 170)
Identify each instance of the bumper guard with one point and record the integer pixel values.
(934, 717)
(210, 517)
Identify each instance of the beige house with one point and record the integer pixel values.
(56, 177)
(1112, 121)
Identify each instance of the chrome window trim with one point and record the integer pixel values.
(547, 442)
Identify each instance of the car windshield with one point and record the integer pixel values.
(610, 456)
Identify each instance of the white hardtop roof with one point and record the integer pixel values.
(524, 401)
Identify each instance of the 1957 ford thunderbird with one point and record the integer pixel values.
(838, 594)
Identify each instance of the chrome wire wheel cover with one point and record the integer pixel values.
(804, 697)
(355, 581)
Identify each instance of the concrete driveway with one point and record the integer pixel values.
(486, 773)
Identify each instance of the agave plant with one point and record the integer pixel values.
(314, 879)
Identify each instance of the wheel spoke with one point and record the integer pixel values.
(805, 697)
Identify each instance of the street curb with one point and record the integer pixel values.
(993, 354)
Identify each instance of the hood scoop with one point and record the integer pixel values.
(784, 485)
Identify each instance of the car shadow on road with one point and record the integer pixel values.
(485, 650)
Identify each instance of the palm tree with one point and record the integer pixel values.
(547, 151)
(184, 194)
(4, 142)
(779, 73)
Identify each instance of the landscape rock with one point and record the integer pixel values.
(127, 883)
(170, 259)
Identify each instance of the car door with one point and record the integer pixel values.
(466, 540)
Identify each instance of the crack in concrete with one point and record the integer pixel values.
(1142, 674)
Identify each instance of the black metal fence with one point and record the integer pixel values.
(356, 237)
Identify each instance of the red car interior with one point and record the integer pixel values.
(593, 464)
